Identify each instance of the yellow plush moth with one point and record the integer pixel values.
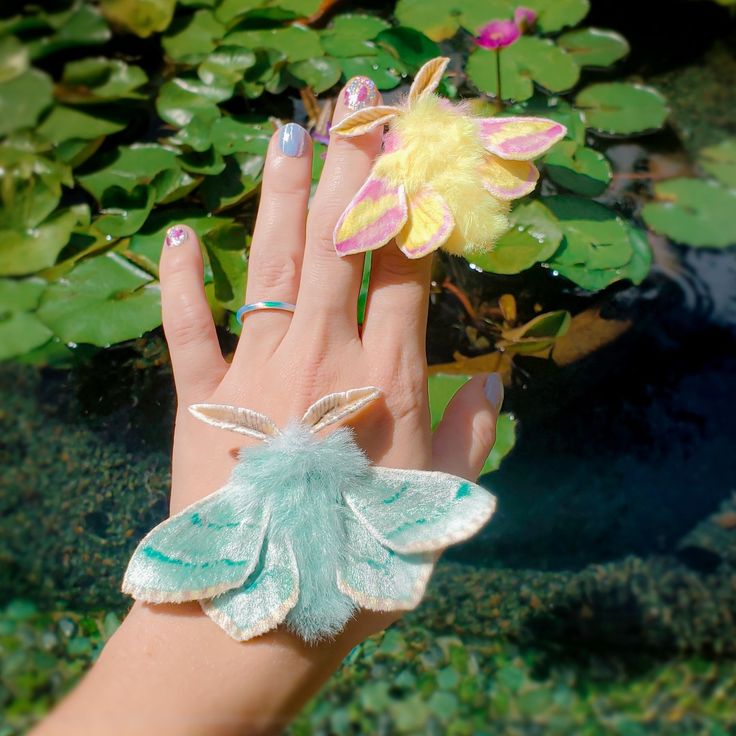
(444, 179)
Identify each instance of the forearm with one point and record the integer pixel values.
(170, 670)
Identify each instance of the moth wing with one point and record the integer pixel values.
(519, 138)
(264, 600)
(379, 578)
(508, 179)
(429, 224)
(203, 550)
(412, 511)
(374, 216)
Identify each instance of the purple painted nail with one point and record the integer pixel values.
(494, 390)
(359, 93)
(175, 236)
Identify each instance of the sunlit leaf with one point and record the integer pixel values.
(720, 161)
(20, 330)
(295, 42)
(594, 46)
(226, 65)
(226, 248)
(100, 80)
(101, 301)
(347, 34)
(82, 26)
(580, 169)
(124, 211)
(180, 99)
(192, 38)
(619, 107)
(409, 45)
(440, 19)
(554, 15)
(22, 100)
(142, 17)
(13, 58)
(694, 212)
(68, 123)
(233, 134)
(385, 70)
(319, 74)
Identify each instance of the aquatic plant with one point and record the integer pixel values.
(119, 119)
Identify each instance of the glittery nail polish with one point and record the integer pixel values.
(291, 140)
(359, 93)
(494, 390)
(175, 236)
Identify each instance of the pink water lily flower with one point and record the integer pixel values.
(524, 17)
(498, 34)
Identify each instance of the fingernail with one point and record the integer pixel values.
(494, 390)
(359, 93)
(175, 236)
(291, 140)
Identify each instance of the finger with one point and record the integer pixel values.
(277, 248)
(190, 331)
(398, 299)
(466, 434)
(330, 284)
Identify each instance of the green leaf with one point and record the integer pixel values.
(720, 161)
(208, 162)
(99, 79)
(129, 166)
(296, 42)
(637, 269)
(529, 60)
(505, 441)
(534, 236)
(13, 58)
(268, 66)
(20, 330)
(440, 19)
(229, 10)
(320, 74)
(226, 65)
(68, 123)
(28, 251)
(191, 39)
(180, 99)
(579, 169)
(23, 99)
(233, 134)
(596, 244)
(122, 211)
(618, 107)
(694, 212)
(350, 32)
(594, 46)
(101, 301)
(142, 17)
(409, 45)
(554, 15)
(240, 178)
(385, 70)
(555, 108)
(197, 133)
(82, 27)
(226, 249)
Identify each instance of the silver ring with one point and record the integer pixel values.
(255, 306)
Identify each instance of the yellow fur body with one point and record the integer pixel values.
(438, 145)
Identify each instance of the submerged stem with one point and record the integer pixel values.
(499, 98)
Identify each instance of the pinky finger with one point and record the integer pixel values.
(190, 331)
(466, 434)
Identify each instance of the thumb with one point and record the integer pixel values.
(466, 434)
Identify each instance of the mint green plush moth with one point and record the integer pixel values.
(306, 530)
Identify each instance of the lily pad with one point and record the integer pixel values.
(594, 46)
(441, 19)
(28, 251)
(20, 330)
(621, 108)
(720, 161)
(695, 212)
(241, 176)
(554, 15)
(22, 100)
(409, 45)
(69, 123)
(296, 42)
(13, 58)
(534, 236)
(83, 26)
(101, 301)
(122, 211)
(226, 249)
(347, 34)
(99, 79)
(142, 17)
(383, 68)
(191, 39)
(578, 168)
(180, 99)
(320, 74)
(226, 65)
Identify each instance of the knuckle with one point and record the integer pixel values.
(187, 324)
(274, 274)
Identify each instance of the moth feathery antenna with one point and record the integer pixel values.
(236, 419)
(335, 407)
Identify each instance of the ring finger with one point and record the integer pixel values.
(277, 248)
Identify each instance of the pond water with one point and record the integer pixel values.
(602, 598)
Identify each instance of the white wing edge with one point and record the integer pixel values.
(265, 624)
(473, 525)
(236, 419)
